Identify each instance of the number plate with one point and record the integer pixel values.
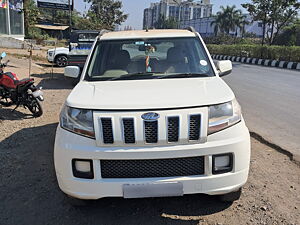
(149, 190)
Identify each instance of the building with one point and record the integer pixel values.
(178, 9)
(205, 27)
(12, 19)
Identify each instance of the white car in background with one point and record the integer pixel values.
(58, 56)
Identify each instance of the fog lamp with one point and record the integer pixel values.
(83, 168)
(222, 163)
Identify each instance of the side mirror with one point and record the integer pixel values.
(3, 55)
(224, 67)
(72, 71)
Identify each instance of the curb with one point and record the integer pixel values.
(262, 62)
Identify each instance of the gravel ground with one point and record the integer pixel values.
(29, 193)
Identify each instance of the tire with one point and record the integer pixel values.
(35, 107)
(61, 61)
(231, 197)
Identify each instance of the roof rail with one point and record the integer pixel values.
(191, 29)
(102, 32)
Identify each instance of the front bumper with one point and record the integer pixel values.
(235, 140)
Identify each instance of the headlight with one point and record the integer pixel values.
(223, 116)
(50, 53)
(79, 121)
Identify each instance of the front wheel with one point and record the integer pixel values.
(35, 107)
(61, 61)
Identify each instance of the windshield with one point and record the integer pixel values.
(148, 59)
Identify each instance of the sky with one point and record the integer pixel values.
(135, 9)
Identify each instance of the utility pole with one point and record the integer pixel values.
(70, 16)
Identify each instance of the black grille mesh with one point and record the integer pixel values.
(152, 168)
(151, 132)
(107, 131)
(173, 129)
(195, 121)
(128, 126)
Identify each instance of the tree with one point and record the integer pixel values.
(163, 23)
(105, 14)
(274, 15)
(31, 13)
(227, 20)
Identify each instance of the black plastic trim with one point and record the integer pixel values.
(78, 174)
(214, 172)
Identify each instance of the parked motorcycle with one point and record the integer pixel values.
(19, 92)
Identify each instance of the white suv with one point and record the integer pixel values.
(59, 56)
(151, 117)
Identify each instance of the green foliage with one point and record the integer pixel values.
(290, 35)
(37, 34)
(164, 23)
(275, 15)
(284, 53)
(229, 19)
(105, 14)
(230, 40)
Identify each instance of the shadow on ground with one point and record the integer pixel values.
(9, 114)
(30, 195)
(54, 81)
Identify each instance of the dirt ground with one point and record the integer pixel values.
(29, 193)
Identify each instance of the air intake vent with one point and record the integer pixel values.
(152, 168)
(107, 131)
(128, 127)
(151, 132)
(173, 129)
(195, 124)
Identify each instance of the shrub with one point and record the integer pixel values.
(36, 34)
(283, 53)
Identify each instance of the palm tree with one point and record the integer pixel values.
(228, 19)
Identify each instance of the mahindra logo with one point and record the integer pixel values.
(151, 116)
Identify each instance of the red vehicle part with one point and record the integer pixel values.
(10, 80)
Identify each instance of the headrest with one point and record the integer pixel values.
(175, 55)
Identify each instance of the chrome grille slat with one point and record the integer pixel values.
(128, 128)
(173, 129)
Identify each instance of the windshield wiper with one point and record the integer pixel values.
(183, 75)
(134, 75)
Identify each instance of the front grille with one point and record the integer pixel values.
(173, 129)
(107, 131)
(128, 126)
(151, 132)
(152, 168)
(194, 134)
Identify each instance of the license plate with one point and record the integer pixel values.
(149, 190)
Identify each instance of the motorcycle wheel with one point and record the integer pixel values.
(35, 107)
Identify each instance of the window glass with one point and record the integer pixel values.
(158, 57)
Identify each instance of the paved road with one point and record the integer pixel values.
(270, 99)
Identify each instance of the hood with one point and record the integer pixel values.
(149, 94)
(58, 49)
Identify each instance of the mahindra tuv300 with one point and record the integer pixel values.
(151, 117)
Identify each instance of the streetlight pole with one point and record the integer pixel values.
(70, 16)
